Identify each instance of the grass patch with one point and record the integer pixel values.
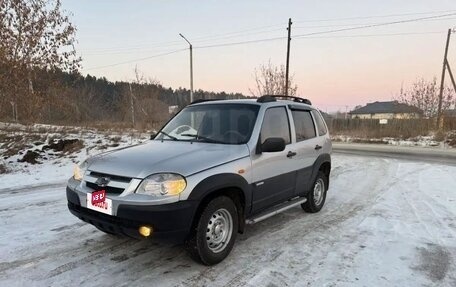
(3, 169)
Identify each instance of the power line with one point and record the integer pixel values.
(326, 32)
(280, 38)
(374, 25)
(272, 39)
(131, 50)
(360, 24)
(135, 60)
(198, 39)
(374, 35)
(154, 45)
(241, 33)
(374, 16)
(241, 43)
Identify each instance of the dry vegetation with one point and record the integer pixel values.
(3, 169)
(371, 131)
(22, 145)
(40, 80)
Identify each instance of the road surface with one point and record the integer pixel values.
(386, 222)
(427, 154)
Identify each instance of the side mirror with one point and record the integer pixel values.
(153, 135)
(273, 145)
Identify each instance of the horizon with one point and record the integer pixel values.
(336, 71)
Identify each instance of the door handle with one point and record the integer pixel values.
(317, 147)
(291, 154)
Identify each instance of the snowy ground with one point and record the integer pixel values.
(419, 141)
(386, 222)
(53, 166)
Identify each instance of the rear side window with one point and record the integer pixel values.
(320, 123)
(304, 126)
(275, 125)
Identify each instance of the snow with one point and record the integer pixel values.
(56, 167)
(386, 222)
(419, 141)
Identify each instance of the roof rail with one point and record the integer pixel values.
(273, 98)
(266, 99)
(204, 100)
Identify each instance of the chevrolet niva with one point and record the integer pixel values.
(214, 168)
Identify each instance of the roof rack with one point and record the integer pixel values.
(266, 99)
(203, 100)
(273, 98)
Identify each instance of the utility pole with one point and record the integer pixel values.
(451, 76)
(288, 56)
(442, 81)
(132, 107)
(191, 67)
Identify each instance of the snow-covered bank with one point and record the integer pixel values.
(386, 222)
(448, 140)
(54, 160)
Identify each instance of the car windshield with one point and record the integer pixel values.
(212, 123)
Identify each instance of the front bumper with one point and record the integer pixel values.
(171, 221)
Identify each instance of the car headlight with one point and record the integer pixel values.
(162, 184)
(79, 170)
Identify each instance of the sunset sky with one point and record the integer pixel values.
(333, 70)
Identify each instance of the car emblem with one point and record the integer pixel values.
(102, 181)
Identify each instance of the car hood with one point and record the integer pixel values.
(184, 158)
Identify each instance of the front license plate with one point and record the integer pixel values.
(98, 205)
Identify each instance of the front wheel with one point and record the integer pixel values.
(215, 233)
(317, 196)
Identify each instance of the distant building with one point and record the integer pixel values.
(386, 110)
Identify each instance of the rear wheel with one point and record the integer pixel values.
(317, 196)
(215, 233)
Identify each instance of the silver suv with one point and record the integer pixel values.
(212, 169)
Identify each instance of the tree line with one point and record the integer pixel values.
(40, 79)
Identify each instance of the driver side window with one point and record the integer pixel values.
(275, 125)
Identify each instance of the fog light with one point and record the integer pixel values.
(145, 231)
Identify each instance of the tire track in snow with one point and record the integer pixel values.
(333, 219)
(292, 248)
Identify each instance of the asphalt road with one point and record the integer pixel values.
(425, 154)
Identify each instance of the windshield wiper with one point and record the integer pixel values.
(170, 136)
(203, 138)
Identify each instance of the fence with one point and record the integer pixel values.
(397, 128)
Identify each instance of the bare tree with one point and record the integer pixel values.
(424, 95)
(36, 35)
(144, 99)
(270, 80)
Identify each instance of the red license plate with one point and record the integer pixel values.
(98, 196)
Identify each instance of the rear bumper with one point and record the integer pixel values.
(171, 222)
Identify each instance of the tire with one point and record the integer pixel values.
(317, 195)
(215, 233)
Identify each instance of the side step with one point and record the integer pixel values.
(276, 210)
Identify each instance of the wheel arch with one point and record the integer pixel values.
(322, 163)
(233, 186)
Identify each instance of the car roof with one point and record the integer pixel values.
(253, 101)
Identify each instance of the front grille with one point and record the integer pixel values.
(108, 189)
(112, 177)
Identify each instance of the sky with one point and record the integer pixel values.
(336, 71)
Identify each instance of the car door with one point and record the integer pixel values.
(307, 147)
(273, 173)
